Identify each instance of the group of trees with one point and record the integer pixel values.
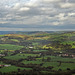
(57, 46)
(37, 72)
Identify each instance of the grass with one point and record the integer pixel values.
(12, 68)
(64, 66)
(32, 62)
(63, 59)
(54, 64)
(20, 56)
(15, 40)
(45, 57)
(39, 50)
(35, 44)
(69, 34)
(1, 35)
(1, 63)
(10, 47)
(69, 42)
(45, 72)
(57, 58)
(73, 46)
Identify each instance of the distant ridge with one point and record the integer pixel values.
(23, 32)
(31, 32)
(8, 32)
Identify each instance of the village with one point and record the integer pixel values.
(4, 66)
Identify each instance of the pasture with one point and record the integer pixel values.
(12, 68)
(20, 56)
(10, 47)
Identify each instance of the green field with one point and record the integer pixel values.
(72, 43)
(39, 50)
(57, 58)
(1, 35)
(64, 66)
(53, 62)
(10, 47)
(12, 68)
(50, 52)
(1, 63)
(32, 62)
(20, 56)
(15, 40)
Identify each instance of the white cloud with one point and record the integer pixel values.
(51, 0)
(37, 13)
(57, 23)
(71, 14)
(67, 5)
(3, 22)
(24, 9)
(16, 6)
(61, 16)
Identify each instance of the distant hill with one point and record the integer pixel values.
(40, 39)
(8, 32)
(33, 32)
(24, 32)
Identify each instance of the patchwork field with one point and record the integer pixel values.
(47, 53)
(20, 56)
(10, 47)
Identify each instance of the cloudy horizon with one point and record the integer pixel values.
(37, 15)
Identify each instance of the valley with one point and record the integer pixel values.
(45, 53)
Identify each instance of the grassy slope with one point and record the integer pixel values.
(12, 68)
(46, 64)
(10, 47)
(20, 56)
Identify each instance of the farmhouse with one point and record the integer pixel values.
(2, 54)
(64, 55)
(30, 47)
(5, 65)
(1, 65)
(73, 56)
(67, 55)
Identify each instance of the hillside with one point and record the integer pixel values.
(55, 41)
(45, 53)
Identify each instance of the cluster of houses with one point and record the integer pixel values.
(4, 66)
(67, 55)
(2, 54)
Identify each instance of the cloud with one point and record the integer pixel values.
(71, 14)
(37, 13)
(57, 23)
(47, 1)
(24, 9)
(16, 6)
(67, 5)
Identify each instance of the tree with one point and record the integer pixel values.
(48, 59)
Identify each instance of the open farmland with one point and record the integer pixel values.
(20, 56)
(10, 47)
(35, 53)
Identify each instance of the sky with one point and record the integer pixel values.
(37, 15)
